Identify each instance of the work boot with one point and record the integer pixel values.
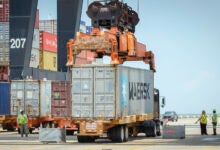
(214, 131)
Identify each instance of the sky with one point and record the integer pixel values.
(185, 38)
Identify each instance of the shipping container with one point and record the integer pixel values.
(48, 41)
(4, 10)
(48, 26)
(89, 29)
(90, 56)
(109, 91)
(36, 39)
(61, 99)
(82, 26)
(45, 98)
(4, 54)
(4, 98)
(37, 20)
(80, 61)
(48, 60)
(4, 32)
(34, 60)
(25, 95)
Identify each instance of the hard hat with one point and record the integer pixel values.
(21, 110)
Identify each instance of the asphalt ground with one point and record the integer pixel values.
(193, 141)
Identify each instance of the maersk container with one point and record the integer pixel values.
(25, 95)
(45, 98)
(4, 98)
(111, 91)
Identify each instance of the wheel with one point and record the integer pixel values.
(117, 134)
(150, 129)
(126, 134)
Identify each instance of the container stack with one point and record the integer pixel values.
(48, 26)
(48, 51)
(34, 60)
(4, 40)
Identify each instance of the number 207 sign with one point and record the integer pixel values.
(17, 43)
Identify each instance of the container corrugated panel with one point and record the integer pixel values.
(45, 98)
(4, 32)
(127, 89)
(48, 41)
(104, 93)
(17, 97)
(36, 42)
(25, 95)
(48, 26)
(82, 92)
(4, 53)
(34, 60)
(48, 60)
(4, 10)
(4, 98)
(31, 95)
(61, 101)
(135, 91)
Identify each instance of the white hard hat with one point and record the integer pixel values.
(21, 110)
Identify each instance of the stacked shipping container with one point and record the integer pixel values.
(48, 26)
(4, 39)
(48, 51)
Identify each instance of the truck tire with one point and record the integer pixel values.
(150, 129)
(118, 134)
(126, 134)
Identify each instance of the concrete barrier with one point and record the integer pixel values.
(174, 132)
(48, 135)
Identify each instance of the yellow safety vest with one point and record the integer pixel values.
(22, 119)
(203, 119)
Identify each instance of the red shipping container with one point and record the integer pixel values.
(90, 56)
(80, 61)
(61, 99)
(37, 20)
(48, 41)
(4, 10)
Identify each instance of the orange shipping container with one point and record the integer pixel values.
(48, 60)
(48, 41)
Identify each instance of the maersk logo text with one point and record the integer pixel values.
(139, 91)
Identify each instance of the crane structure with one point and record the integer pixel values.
(117, 38)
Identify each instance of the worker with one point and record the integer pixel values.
(157, 121)
(203, 123)
(22, 120)
(214, 121)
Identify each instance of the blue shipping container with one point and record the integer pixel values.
(4, 98)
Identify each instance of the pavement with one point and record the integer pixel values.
(193, 141)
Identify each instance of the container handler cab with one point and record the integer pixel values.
(119, 42)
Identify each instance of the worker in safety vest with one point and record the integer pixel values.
(214, 121)
(203, 123)
(22, 120)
